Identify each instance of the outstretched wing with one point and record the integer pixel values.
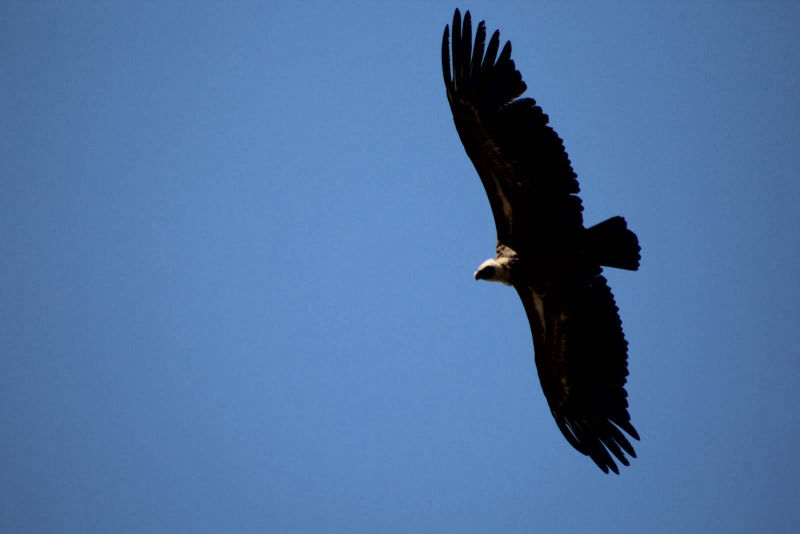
(521, 161)
(581, 359)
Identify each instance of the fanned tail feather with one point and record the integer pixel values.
(611, 244)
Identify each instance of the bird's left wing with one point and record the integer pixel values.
(521, 161)
(581, 359)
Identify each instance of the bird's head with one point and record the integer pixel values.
(494, 271)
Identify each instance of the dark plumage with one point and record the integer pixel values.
(543, 249)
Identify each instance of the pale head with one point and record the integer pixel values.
(494, 270)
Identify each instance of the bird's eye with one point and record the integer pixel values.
(487, 273)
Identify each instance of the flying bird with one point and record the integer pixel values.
(543, 249)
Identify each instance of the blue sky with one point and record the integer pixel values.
(238, 243)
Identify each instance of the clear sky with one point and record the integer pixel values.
(237, 250)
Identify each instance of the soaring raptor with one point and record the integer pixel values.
(543, 249)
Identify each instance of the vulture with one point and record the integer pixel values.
(543, 249)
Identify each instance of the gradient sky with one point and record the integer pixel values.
(237, 250)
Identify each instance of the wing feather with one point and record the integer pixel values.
(477, 52)
(491, 53)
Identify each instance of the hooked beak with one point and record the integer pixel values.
(476, 276)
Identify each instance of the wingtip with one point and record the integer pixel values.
(448, 80)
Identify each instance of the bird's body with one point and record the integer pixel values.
(543, 248)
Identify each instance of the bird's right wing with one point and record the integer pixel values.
(521, 161)
(581, 359)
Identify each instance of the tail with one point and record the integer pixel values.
(611, 244)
